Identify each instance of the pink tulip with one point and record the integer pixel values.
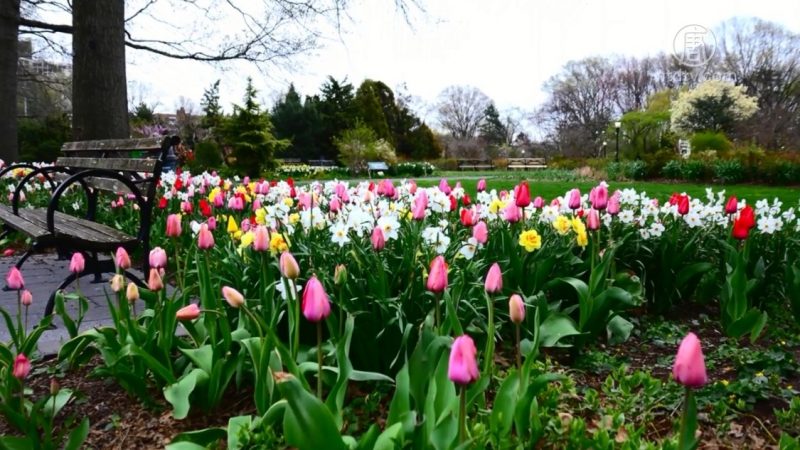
(690, 367)
(77, 263)
(522, 195)
(212, 223)
(205, 240)
(437, 276)
(494, 280)
(316, 305)
(261, 239)
(340, 190)
(245, 225)
(412, 187)
(480, 232)
(174, 225)
(122, 259)
(8, 252)
(22, 367)
(444, 187)
(600, 197)
(304, 200)
(158, 258)
(154, 283)
(511, 213)
(256, 205)
(593, 220)
(190, 312)
(463, 366)
(516, 309)
(335, 205)
(538, 202)
(481, 185)
(186, 207)
(378, 240)
(289, 267)
(232, 296)
(613, 206)
(219, 200)
(14, 279)
(26, 298)
(574, 199)
(420, 206)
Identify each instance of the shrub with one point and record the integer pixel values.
(446, 163)
(728, 171)
(626, 170)
(693, 170)
(710, 141)
(672, 169)
(412, 169)
(656, 162)
(207, 155)
(359, 145)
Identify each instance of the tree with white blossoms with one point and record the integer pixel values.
(713, 105)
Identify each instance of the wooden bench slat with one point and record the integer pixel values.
(114, 145)
(106, 184)
(115, 164)
(19, 223)
(34, 223)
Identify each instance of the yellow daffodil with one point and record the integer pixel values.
(277, 244)
(531, 240)
(496, 206)
(288, 202)
(578, 226)
(294, 218)
(247, 239)
(562, 225)
(261, 216)
(583, 238)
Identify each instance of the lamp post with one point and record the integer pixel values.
(617, 124)
(605, 150)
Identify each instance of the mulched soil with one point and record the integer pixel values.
(119, 421)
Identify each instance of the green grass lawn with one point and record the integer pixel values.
(790, 196)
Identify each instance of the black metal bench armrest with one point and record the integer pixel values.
(44, 171)
(79, 177)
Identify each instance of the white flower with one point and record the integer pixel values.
(657, 229)
(768, 224)
(282, 289)
(626, 216)
(390, 226)
(339, 234)
(693, 219)
(469, 248)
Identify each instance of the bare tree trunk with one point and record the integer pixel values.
(100, 89)
(9, 22)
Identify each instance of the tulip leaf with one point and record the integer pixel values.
(202, 437)
(390, 439)
(307, 423)
(505, 403)
(618, 330)
(15, 443)
(177, 394)
(335, 400)
(554, 328)
(235, 424)
(77, 436)
(202, 357)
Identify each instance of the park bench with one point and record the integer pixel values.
(321, 163)
(122, 167)
(475, 164)
(526, 163)
(290, 161)
(376, 166)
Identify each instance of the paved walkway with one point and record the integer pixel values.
(42, 274)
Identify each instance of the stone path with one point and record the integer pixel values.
(42, 274)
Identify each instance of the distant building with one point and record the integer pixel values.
(43, 86)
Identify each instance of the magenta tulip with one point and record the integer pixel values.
(690, 366)
(316, 305)
(481, 185)
(14, 279)
(538, 202)
(444, 187)
(574, 199)
(600, 197)
(378, 240)
(463, 366)
(22, 367)
(511, 213)
(613, 206)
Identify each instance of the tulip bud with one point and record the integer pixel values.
(117, 282)
(463, 365)
(690, 366)
(481, 185)
(574, 199)
(494, 280)
(378, 241)
(122, 259)
(158, 258)
(77, 263)
(732, 206)
(480, 232)
(232, 296)
(154, 283)
(593, 220)
(190, 312)
(14, 279)
(437, 275)
(26, 298)
(132, 293)
(22, 367)
(174, 225)
(316, 305)
(54, 386)
(340, 275)
(205, 240)
(516, 309)
(289, 267)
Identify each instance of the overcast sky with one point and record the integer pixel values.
(506, 48)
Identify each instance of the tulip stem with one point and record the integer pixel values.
(462, 416)
(437, 316)
(296, 336)
(686, 437)
(20, 331)
(519, 351)
(488, 359)
(319, 360)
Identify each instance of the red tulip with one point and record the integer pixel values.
(437, 276)
(683, 205)
(316, 305)
(77, 263)
(468, 217)
(747, 216)
(14, 279)
(463, 366)
(690, 366)
(494, 280)
(162, 203)
(22, 367)
(190, 312)
(740, 230)
(732, 206)
(522, 194)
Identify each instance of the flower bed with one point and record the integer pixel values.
(296, 295)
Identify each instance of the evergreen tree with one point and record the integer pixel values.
(213, 111)
(421, 143)
(371, 111)
(337, 112)
(298, 122)
(492, 129)
(249, 133)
